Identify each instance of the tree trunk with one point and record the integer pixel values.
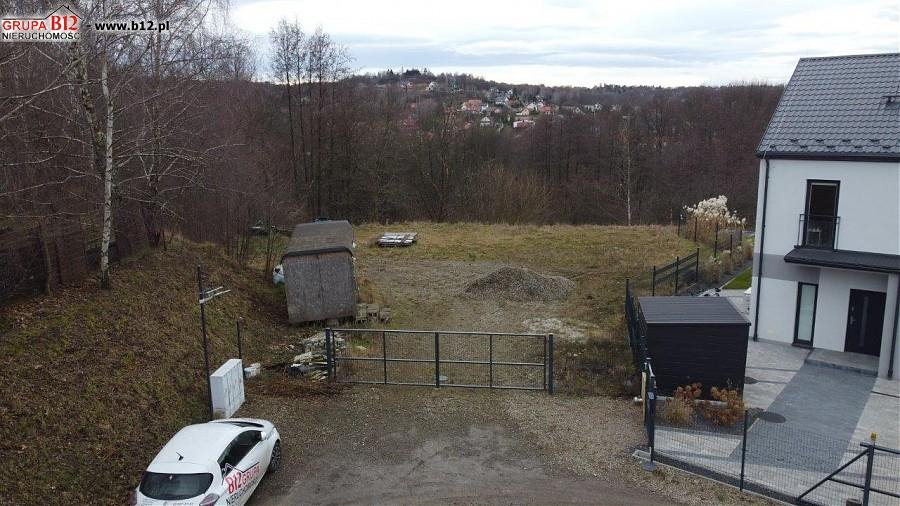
(108, 174)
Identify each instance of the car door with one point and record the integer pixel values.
(243, 466)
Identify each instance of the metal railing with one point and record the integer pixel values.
(818, 231)
(681, 272)
(494, 360)
(637, 341)
(870, 480)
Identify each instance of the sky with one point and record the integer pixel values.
(586, 43)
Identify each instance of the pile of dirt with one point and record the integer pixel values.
(518, 284)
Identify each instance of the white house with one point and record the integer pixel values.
(826, 270)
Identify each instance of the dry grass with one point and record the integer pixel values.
(597, 258)
(96, 381)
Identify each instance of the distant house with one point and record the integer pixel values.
(472, 106)
(486, 122)
(318, 272)
(432, 87)
(826, 268)
(523, 123)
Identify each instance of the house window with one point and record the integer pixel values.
(806, 313)
(820, 219)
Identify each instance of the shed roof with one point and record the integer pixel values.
(845, 259)
(690, 311)
(320, 237)
(838, 107)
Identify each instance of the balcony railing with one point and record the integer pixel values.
(818, 231)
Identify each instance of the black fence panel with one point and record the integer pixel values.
(497, 360)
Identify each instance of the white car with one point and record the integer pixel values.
(215, 463)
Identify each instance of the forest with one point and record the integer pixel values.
(199, 135)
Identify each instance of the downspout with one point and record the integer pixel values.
(762, 243)
(894, 335)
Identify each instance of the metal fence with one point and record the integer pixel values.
(495, 360)
(765, 456)
(682, 272)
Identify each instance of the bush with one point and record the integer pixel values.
(711, 270)
(728, 414)
(679, 410)
(727, 264)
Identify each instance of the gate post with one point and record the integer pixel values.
(870, 457)
(550, 364)
(744, 449)
(491, 360)
(329, 355)
(653, 283)
(677, 268)
(437, 360)
(240, 349)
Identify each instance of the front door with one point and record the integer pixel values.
(865, 320)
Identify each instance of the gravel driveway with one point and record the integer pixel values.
(418, 445)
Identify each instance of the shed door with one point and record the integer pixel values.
(865, 321)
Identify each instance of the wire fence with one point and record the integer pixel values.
(441, 359)
(762, 454)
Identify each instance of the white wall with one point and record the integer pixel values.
(868, 203)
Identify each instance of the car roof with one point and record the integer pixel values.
(201, 443)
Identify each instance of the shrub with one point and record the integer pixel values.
(728, 414)
(710, 215)
(678, 412)
(727, 264)
(688, 393)
(711, 270)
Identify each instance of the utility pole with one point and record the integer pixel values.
(204, 297)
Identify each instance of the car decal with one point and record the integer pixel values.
(238, 481)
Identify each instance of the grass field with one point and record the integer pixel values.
(96, 381)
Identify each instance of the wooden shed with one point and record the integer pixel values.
(695, 339)
(318, 272)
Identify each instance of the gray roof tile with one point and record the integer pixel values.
(838, 106)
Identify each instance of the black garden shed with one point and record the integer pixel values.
(695, 339)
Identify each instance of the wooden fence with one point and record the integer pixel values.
(35, 257)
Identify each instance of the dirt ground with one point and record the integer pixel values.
(419, 445)
(430, 294)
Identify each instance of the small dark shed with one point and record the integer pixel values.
(695, 339)
(318, 272)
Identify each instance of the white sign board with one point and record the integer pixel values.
(227, 388)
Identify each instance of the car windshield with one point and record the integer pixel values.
(175, 487)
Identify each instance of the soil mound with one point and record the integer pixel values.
(518, 284)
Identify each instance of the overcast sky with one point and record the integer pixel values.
(575, 42)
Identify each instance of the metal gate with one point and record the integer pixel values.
(441, 358)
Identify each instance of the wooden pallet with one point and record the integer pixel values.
(391, 239)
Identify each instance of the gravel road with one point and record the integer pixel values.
(418, 446)
(414, 445)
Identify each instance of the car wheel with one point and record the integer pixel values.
(275, 461)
